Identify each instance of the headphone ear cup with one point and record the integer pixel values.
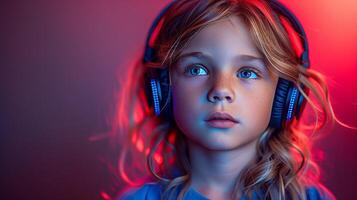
(152, 89)
(155, 95)
(301, 102)
(279, 103)
(158, 91)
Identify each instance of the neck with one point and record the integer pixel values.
(215, 172)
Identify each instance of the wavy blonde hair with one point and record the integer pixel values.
(284, 166)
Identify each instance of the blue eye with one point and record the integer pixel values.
(247, 74)
(196, 70)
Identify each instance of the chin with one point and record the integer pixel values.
(228, 143)
(219, 143)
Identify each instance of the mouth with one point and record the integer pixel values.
(221, 120)
(221, 123)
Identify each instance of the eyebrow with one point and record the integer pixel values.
(244, 57)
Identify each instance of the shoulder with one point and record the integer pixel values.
(319, 192)
(148, 191)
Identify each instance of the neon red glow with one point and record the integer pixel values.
(140, 145)
(158, 158)
(105, 196)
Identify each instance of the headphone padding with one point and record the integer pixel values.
(279, 103)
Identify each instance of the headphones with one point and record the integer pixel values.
(288, 100)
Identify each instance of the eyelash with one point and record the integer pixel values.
(250, 69)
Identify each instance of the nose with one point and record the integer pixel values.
(221, 90)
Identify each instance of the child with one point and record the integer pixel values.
(214, 108)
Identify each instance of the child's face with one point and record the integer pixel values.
(227, 81)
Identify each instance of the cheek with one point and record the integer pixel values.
(258, 107)
(188, 108)
(187, 96)
(180, 99)
(185, 104)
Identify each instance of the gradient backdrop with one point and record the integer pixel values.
(59, 64)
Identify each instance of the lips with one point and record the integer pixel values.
(221, 117)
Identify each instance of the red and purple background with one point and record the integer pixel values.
(60, 62)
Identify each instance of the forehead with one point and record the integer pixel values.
(224, 39)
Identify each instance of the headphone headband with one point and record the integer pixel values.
(284, 11)
(149, 51)
(276, 5)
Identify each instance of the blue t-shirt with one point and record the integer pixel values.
(153, 191)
